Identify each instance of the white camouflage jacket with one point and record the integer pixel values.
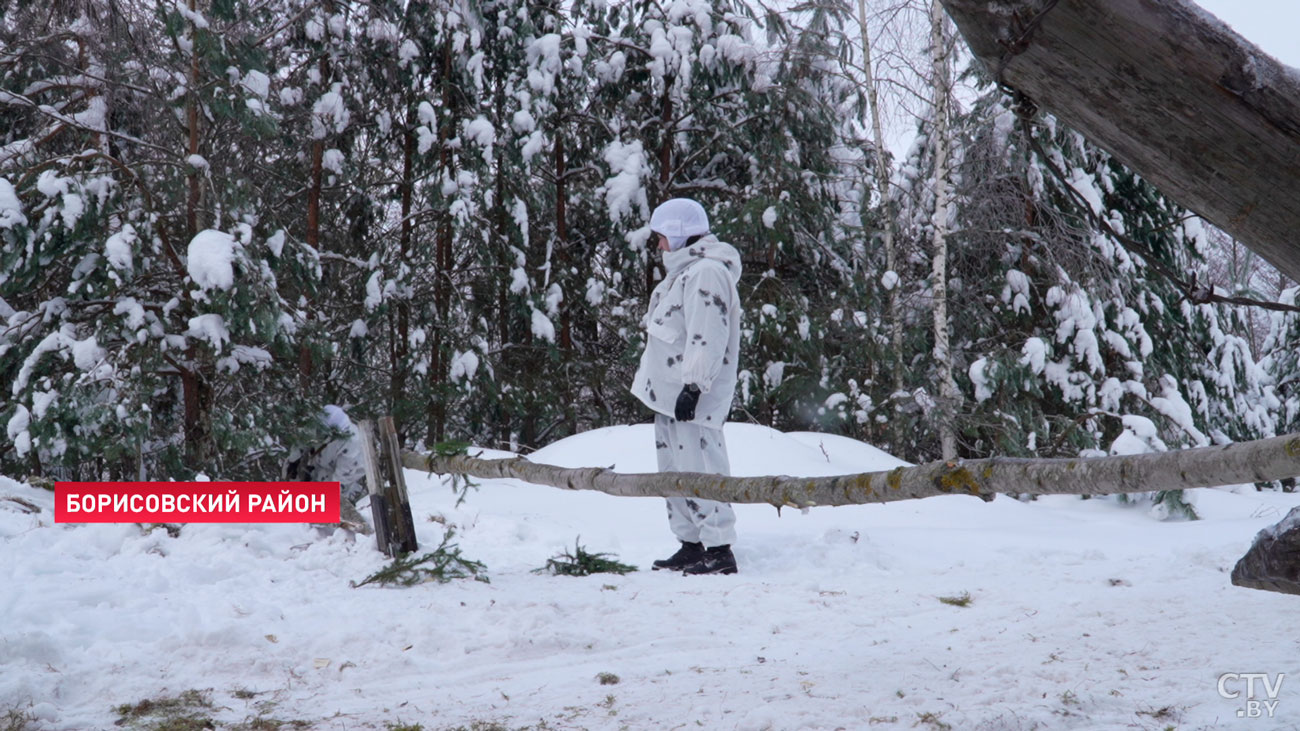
(693, 332)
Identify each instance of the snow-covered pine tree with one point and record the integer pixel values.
(385, 230)
(742, 112)
(143, 322)
(1281, 361)
(812, 345)
(416, 212)
(398, 133)
(670, 85)
(1071, 342)
(541, 90)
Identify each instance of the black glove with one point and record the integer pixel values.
(686, 401)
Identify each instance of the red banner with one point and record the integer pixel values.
(196, 502)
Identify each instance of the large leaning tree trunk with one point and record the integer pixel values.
(1262, 460)
(1174, 94)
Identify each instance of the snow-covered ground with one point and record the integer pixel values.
(1082, 614)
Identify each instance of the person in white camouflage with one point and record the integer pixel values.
(688, 376)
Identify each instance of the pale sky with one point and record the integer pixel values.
(1273, 25)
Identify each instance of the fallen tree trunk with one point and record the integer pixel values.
(1177, 96)
(1262, 460)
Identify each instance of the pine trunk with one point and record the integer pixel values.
(436, 415)
(562, 273)
(192, 120)
(665, 174)
(401, 343)
(502, 422)
(306, 363)
(197, 395)
(196, 391)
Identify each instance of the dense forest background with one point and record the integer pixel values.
(219, 216)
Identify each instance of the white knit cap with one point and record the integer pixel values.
(679, 219)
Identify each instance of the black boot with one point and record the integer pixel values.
(716, 560)
(688, 554)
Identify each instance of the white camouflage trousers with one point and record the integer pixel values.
(689, 447)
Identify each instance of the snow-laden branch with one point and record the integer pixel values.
(1262, 460)
(7, 97)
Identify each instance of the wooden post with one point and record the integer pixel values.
(395, 488)
(375, 486)
(389, 506)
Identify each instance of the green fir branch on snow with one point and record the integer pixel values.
(442, 565)
(583, 563)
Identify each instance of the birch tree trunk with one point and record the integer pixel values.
(1262, 460)
(886, 196)
(940, 131)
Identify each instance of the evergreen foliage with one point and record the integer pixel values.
(1281, 360)
(443, 564)
(583, 563)
(1069, 341)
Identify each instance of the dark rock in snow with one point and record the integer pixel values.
(1273, 561)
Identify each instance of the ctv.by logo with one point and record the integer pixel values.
(1254, 708)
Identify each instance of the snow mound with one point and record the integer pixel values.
(753, 450)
